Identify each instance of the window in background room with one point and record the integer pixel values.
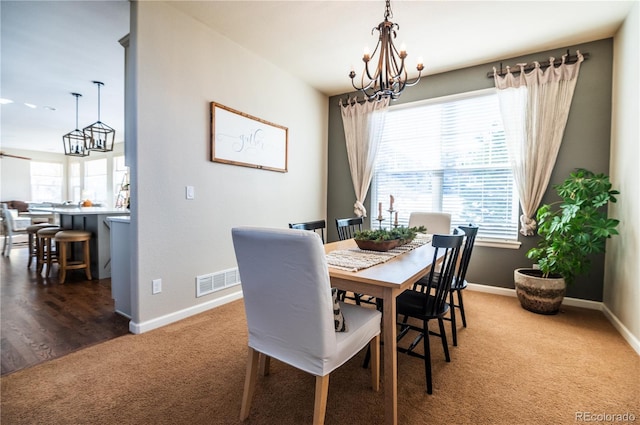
(448, 155)
(120, 182)
(46, 181)
(75, 184)
(95, 180)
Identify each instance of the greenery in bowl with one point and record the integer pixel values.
(575, 227)
(404, 234)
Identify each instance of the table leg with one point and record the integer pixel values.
(390, 358)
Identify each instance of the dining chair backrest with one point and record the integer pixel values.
(317, 226)
(347, 227)
(287, 295)
(435, 222)
(7, 220)
(439, 283)
(470, 233)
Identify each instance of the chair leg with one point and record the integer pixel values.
(427, 358)
(454, 329)
(265, 364)
(461, 306)
(249, 383)
(374, 350)
(367, 358)
(62, 261)
(6, 248)
(320, 402)
(31, 245)
(40, 259)
(87, 260)
(49, 259)
(443, 337)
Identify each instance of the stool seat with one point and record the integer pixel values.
(65, 237)
(46, 254)
(72, 236)
(48, 231)
(35, 227)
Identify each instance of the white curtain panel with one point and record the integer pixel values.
(363, 124)
(534, 108)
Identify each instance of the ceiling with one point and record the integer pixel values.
(53, 48)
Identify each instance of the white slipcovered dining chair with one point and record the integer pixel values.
(12, 224)
(436, 223)
(290, 311)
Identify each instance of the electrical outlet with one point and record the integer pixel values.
(156, 286)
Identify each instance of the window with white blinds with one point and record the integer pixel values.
(448, 155)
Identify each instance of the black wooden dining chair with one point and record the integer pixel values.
(459, 282)
(347, 227)
(317, 226)
(428, 301)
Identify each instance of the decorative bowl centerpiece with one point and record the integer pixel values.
(384, 240)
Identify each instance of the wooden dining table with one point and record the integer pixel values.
(385, 281)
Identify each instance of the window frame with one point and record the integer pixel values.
(501, 242)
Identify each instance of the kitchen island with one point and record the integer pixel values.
(92, 219)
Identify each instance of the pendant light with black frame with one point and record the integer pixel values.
(75, 143)
(100, 137)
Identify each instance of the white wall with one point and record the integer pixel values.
(15, 176)
(622, 268)
(180, 66)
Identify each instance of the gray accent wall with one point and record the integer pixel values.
(586, 144)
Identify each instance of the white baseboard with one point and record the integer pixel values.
(628, 336)
(633, 341)
(158, 322)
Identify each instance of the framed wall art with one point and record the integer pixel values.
(241, 139)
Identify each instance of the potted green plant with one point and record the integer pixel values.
(571, 231)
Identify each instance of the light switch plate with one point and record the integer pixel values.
(156, 286)
(190, 192)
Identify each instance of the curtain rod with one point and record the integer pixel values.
(351, 101)
(543, 65)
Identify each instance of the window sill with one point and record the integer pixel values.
(498, 243)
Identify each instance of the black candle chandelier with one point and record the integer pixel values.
(390, 77)
(99, 136)
(74, 141)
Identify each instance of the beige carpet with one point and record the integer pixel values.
(511, 367)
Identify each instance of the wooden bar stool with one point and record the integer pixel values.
(33, 240)
(46, 254)
(64, 239)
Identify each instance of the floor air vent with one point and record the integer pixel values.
(212, 282)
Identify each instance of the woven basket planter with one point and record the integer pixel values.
(539, 294)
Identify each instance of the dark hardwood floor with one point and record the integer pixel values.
(41, 319)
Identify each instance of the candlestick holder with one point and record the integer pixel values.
(391, 223)
(380, 220)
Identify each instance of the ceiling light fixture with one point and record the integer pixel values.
(390, 77)
(74, 142)
(100, 137)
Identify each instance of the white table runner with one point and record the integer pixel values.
(354, 259)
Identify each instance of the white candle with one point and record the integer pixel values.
(390, 202)
(380, 209)
(396, 221)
